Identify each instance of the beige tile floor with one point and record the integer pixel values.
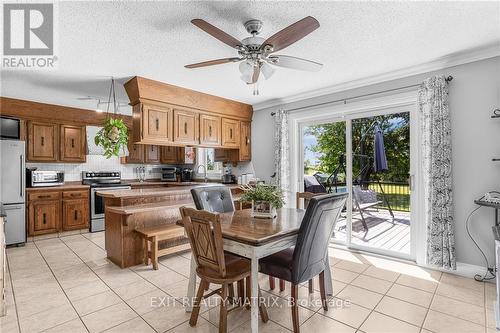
(66, 284)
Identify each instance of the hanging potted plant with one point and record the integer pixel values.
(113, 136)
(265, 200)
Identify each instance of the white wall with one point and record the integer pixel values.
(474, 93)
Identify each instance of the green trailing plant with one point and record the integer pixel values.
(113, 137)
(270, 193)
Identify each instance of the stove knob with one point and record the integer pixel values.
(87, 174)
(92, 174)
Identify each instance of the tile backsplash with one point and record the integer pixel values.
(73, 171)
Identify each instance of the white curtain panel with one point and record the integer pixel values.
(282, 152)
(435, 123)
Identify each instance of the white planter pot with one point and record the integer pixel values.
(263, 209)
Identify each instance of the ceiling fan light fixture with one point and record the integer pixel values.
(267, 70)
(246, 68)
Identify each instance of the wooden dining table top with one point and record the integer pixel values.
(241, 227)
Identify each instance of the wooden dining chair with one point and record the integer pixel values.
(306, 196)
(213, 265)
(309, 257)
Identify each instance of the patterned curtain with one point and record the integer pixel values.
(281, 152)
(436, 162)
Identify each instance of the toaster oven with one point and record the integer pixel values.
(39, 178)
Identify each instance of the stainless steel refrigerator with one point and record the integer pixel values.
(12, 194)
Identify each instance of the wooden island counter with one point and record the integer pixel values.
(129, 210)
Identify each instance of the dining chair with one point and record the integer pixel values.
(309, 257)
(306, 196)
(213, 265)
(217, 199)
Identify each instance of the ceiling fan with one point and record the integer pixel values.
(256, 54)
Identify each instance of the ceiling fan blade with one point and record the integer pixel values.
(212, 62)
(295, 63)
(291, 34)
(217, 33)
(256, 73)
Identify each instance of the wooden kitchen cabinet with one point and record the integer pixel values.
(171, 155)
(75, 214)
(43, 142)
(245, 141)
(135, 153)
(230, 133)
(72, 143)
(154, 123)
(186, 126)
(44, 215)
(151, 154)
(210, 128)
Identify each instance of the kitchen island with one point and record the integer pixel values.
(129, 210)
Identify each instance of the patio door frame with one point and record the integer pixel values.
(383, 105)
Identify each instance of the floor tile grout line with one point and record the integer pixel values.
(104, 282)
(43, 257)
(13, 293)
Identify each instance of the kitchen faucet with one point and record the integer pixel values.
(205, 171)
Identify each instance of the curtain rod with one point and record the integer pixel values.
(448, 80)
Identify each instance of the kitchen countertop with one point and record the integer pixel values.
(76, 185)
(151, 182)
(2, 211)
(149, 192)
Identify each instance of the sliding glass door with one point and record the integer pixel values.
(369, 156)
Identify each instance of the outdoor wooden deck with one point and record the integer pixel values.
(382, 232)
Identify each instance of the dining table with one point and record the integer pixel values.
(255, 238)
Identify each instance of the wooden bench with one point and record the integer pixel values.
(153, 235)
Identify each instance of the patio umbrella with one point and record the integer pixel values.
(380, 160)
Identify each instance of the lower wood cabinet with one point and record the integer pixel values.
(75, 214)
(54, 211)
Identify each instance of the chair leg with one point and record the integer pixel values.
(230, 289)
(271, 283)
(311, 286)
(262, 309)
(197, 302)
(241, 292)
(223, 310)
(282, 285)
(248, 292)
(295, 308)
(322, 290)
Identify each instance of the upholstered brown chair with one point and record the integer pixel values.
(309, 257)
(213, 265)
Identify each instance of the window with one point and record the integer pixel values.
(206, 157)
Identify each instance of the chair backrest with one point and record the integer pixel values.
(304, 195)
(311, 250)
(205, 235)
(214, 198)
(363, 196)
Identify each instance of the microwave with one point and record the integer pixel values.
(39, 178)
(10, 128)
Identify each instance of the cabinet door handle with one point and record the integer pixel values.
(157, 121)
(72, 143)
(43, 141)
(247, 140)
(209, 130)
(44, 218)
(152, 148)
(185, 128)
(231, 133)
(76, 215)
(43, 196)
(21, 185)
(75, 194)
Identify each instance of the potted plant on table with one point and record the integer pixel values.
(265, 200)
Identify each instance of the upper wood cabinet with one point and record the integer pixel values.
(186, 126)
(72, 143)
(245, 141)
(154, 123)
(151, 154)
(230, 133)
(210, 128)
(171, 155)
(42, 141)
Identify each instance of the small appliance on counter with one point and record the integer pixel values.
(228, 179)
(10, 128)
(39, 178)
(169, 174)
(187, 175)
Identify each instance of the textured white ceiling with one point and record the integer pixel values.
(156, 39)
